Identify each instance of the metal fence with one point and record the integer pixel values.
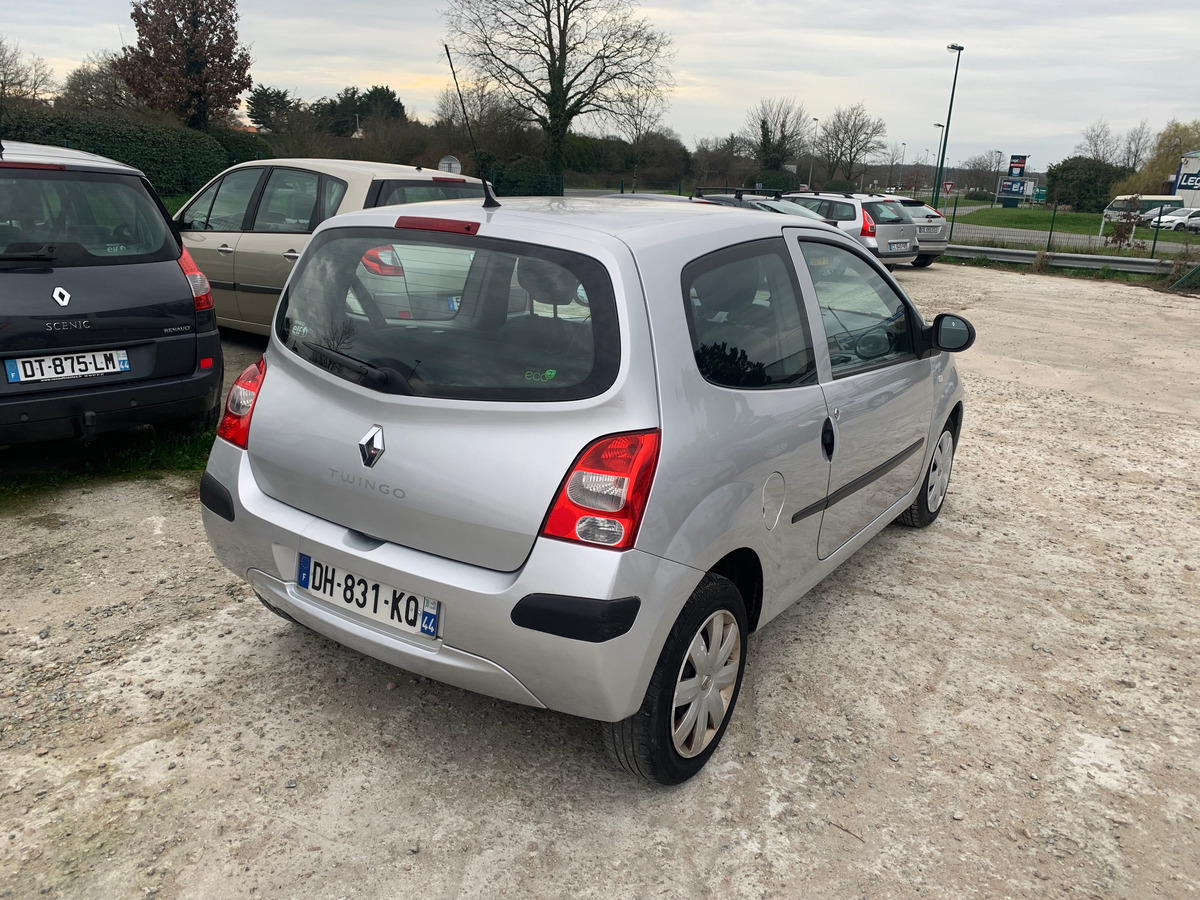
(1142, 243)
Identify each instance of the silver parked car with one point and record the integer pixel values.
(641, 431)
(877, 221)
(933, 232)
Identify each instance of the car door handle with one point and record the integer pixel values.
(291, 255)
(827, 439)
(224, 249)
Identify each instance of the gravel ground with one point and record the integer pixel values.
(1003, 705)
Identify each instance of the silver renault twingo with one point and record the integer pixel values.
(627, 435)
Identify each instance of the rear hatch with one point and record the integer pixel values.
(479, 406)
(90, 283)
(894, 228)
(931, 224)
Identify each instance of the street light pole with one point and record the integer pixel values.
(811, 147)
(996, 187)
(903, 153)
(937, 151)
(957, 50)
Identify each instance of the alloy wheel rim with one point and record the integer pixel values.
(939, 472)
(705, 686)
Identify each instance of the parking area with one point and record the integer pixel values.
(1002, 705)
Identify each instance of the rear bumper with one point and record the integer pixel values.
(592, 657)
(94, 408)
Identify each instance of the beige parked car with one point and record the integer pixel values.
(247, 226)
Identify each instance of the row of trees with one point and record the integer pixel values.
(1106, 164)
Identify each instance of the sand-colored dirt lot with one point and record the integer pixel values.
(1003, 705)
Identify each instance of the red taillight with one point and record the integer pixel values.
(383, 261)
(235, 424)
(201, 290)
(868, 226)
(449, 178)
(602, 498)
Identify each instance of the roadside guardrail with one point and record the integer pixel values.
(1130, 264)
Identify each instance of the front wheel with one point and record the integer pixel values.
(937, 480)
(692, 692)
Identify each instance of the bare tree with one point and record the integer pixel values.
(558, 60)
(96, 85)
(892, 157)
(981, 171)
(638, 113)
(1099, 143)
(23, 76)
(1136, 147)
(776, 130)
(848, 139)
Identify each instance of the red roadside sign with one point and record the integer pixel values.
(947, 186)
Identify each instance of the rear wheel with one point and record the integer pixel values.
(922, 261)
(937, 481)
(693, 690)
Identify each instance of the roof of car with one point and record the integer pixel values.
(633, 221)
(349, 167)
(44, 154)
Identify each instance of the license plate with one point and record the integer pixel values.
(66, 365)
(897, 245)
(372, 599)
(929, 229)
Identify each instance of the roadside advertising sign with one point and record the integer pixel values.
(1016, 166)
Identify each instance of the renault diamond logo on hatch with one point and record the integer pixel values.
(371, 446)
(61, 297)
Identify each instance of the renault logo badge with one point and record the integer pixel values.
(61, 297)
(371, 446)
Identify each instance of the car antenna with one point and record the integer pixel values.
(489, 199)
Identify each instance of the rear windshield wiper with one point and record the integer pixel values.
(29, 252)
(383, 378)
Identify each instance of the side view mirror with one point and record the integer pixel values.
(952, 333)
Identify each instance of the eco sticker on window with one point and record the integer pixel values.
(548, 375)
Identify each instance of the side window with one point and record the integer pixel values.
(866, 322)
(842, 212)
(195, 217)
(234, 193)
(747, 327)
(289, 202)
(334, 190)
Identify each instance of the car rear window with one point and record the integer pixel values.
(452, 316)
(81, 219)
(888, 212)
(393, 191)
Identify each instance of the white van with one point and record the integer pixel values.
(1138, 204)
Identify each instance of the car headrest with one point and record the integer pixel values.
(547, 282)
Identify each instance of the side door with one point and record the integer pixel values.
(879, 394)
(757, 414)
(290, 207)
(211, 227)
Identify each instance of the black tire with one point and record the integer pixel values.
(1181, 227)
(922, 261)
(932, 496)
(644, 744)
(891, 267)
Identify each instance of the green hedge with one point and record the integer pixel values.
(176, 160)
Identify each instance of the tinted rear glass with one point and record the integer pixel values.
(888, 212)
(452, 316)
(81, 219)
(395, 191)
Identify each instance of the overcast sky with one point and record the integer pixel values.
(1034, 72)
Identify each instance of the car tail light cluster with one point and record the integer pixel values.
(602, 499)
(235, 424)
(868, 225)
(201, 290)
(383, 261)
